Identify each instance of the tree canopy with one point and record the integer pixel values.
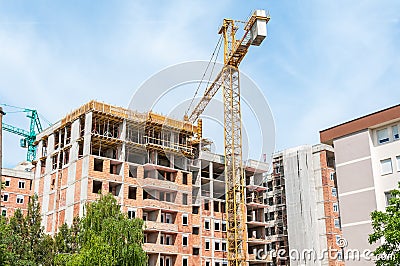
(386, 226)
(104, 236)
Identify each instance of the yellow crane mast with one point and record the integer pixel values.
(235, 49)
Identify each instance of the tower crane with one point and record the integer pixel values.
(29, 137)
(235, 49)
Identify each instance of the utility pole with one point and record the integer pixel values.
(1, 151)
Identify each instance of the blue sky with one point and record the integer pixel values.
(323, 63)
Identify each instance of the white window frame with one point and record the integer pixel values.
(335, 207)
(336, 223)
(384, 138)
(21, 198)
(7, 182)
(334, 192)
(383, 163)
(398, 163)
(4, 197)
(224, 243)
(187, 240)
(168, 218)
(130, 210)
(332, 176)
(185, 215)
(187, 260)
(207, 221)
(21, 182)
(219, 245)
(168, 240)
(162, 239)
(219, 225)
(395, 131)
(3, 210)
(205, 244)
(222, 226)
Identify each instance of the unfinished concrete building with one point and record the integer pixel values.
(159, 169)
(304, 207)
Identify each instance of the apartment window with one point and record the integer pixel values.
(168, 197)
(224, 246)
(195, 230)
(335, 207)
(334, 192)
(4, 212)
(196, 251)
(208, 263)
(168, 218)
(337, 223)
(206, 205)
(8, 181)
(21, 184)
(184, 199)
(20, 199)
(131, 213)
(184, 219)
(386, 166)
(185, 240)
(217, 245)
(398, 163)
(5, 197)
(207, 224)
(395, 131)
(338, 237)
(168, 240)
(96, 186)
(98, 165)
(383, 136)
(207, 244)
(217, 263)
(185, 261)
(388, 196)
(217, 225)
(184, 178)
(332, 176)
(223, 226)
(132, 193)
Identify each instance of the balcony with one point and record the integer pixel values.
(162, 227)
(158, 248)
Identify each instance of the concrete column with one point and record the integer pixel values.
(1, 151)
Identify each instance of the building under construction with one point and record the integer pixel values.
(303, 214)
(159, 169)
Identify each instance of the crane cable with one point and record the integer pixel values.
(216, 49)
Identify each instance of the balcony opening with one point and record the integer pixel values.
(195, 209)
(132, 171)
(132, 192)
(196, 251)
(114, 188)
(185, 178)
(115, 168)
(97, 186)
(98, 165)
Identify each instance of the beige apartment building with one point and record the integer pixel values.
(367, 154)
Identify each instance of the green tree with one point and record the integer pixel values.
(106, 237)
(5, 234)
(25, 240)
(386, 226)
